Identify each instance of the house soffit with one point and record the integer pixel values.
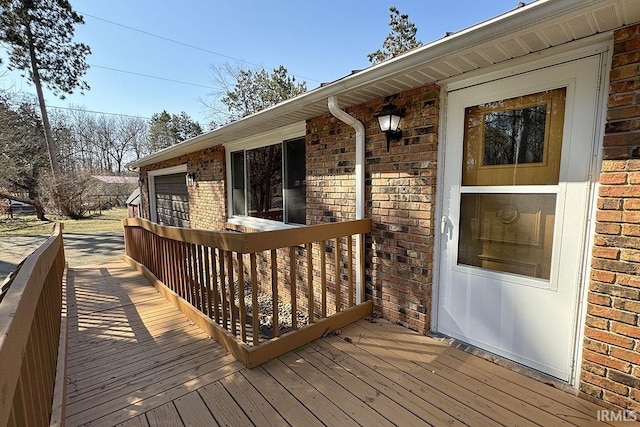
(539, 26)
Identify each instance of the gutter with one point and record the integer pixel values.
(341, 115)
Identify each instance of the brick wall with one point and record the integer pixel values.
(400, 197)
(207, 199)
(611, 357)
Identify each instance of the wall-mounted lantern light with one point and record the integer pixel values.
(389, 121)
(140, 182)
(191, 179)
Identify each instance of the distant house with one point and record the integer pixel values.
(111, 190)
(505, 215)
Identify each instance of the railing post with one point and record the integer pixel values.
(294, 292)
(336, 250)
(274, 293)
(255, 310)
(310, 303)
(323, 276)
(350, 270)
(223, 290)
(360, 271)
(232, 304)
(214, 282)
(241, 304)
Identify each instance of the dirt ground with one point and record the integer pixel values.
(96, 248)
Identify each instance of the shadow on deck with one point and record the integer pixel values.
(134, 359)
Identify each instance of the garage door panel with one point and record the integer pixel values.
(172, 200)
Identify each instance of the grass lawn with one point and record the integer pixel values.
(28, 225)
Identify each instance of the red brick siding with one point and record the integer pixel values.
(611, 357)
(400, 198)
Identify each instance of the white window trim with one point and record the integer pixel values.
(277, 136)
(153, 209)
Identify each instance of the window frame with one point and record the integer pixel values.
(278, 136)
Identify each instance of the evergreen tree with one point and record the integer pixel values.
(247, 91)
(39, 38)
(401, 38)
(167, 129)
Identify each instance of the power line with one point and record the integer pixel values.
(95, 112)
(151, 77)
(112, 114)
(185, 44)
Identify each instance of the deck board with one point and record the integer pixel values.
(135, 360)
(193, 411)
(224, 408)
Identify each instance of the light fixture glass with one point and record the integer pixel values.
(389, 121)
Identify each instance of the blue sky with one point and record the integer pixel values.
(318, 41)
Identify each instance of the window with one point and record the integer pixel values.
(269, 182)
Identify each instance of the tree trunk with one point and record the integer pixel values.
(35, 203)
(53, 158)
(39, 210)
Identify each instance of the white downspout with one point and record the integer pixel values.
(341, 115)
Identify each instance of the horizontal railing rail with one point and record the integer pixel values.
(258, 287)
(30, 321)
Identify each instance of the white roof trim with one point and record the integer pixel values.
(488, 43)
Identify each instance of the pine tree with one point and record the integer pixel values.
(39, 37)
(244, 91)
(401, 38)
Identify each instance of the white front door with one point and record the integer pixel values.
(515, 203)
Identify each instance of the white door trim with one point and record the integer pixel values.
(580, 245)
(601, 44)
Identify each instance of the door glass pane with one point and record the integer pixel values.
(513, 137)
(512, 233)
(264, 166)
(515, 141)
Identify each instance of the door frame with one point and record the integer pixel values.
(601, 45)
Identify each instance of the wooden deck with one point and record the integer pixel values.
(135, 360)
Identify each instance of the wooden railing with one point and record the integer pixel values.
(308, 275)
(30, 322)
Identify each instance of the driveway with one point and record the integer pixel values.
(97, 248)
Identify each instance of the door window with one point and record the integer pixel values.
(517, 143)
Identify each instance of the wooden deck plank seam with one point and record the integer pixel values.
(500, 402)
(543, 390)
(140, 382)
(106, 379)
(396, 391)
